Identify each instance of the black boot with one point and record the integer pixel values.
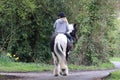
(70, 45)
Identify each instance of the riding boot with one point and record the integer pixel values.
(70, 45)
(70, 41)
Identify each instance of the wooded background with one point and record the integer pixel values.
(27, 25)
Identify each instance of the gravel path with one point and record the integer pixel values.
(75, 75)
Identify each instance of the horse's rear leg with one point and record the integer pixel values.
(56, 70)
(64, 67)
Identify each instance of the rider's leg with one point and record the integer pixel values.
(69, 37)
(70, 41)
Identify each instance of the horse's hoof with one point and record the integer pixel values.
(56, 75)
(60, 73)
(64, 74)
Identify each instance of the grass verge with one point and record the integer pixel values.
(98, 67)
(115, 59)
(26, 67)
(114, 76)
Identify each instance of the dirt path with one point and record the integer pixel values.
(75, 75)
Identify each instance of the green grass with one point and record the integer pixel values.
(6, 64)
(99, 67)
(114, 76)
(115, 59)
(25, 67)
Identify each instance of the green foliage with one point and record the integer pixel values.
(26, 27)
(4, 59)
(96, 24)
(114, 38)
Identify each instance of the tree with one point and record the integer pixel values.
(27, 25)
(96, 21)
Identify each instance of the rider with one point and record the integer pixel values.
(61, 26)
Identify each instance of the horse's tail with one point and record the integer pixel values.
(60, 45)
(59, 49)
(61, 55)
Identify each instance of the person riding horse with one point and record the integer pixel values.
(62, 43)
(61, 26)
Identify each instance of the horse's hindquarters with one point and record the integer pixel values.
(61, 40)
(59, 56)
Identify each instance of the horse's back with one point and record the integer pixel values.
(61, 38)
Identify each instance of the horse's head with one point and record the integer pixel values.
(73, 31)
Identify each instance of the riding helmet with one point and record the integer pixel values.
(62, 14)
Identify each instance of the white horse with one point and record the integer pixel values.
(60, 51)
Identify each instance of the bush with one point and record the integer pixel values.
(5, 59)
(26, 27)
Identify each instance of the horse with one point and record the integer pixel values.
(60, 51)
